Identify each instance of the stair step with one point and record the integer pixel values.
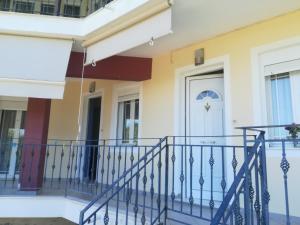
(176, 218)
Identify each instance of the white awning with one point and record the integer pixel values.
(141, 33)
(33, 67)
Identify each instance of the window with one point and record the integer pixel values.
(11, 131)
(128, 121)
(72, 11)
(24, 7)
(4, 5)
(47, 9)
(280, 104)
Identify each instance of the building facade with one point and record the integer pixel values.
(125, 104)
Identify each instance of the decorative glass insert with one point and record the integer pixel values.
(47, 9)
(207, 93)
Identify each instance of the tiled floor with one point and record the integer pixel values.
(35, 221)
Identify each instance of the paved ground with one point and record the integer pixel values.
(34, 221)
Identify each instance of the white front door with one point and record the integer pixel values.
(205, 117)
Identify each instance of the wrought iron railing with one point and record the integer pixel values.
(250, 188)
(66, 167)
(138, 192)
(67, 8)
(185, 179)
(180, 175)
(249, 198)
(175, 179)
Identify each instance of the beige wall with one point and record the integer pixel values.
(64, 113)
(158, 93)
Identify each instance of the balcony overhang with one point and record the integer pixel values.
(33, 67)
(154, 27)
(112, 68)
(36, 49)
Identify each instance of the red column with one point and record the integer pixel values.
(34, 149)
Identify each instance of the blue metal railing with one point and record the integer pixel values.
(66, 167)
(203, 178)
(242, 188)
(125, 191)
(173, 174)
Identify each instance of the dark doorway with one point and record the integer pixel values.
(92, 138)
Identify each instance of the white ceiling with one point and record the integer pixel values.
(196, 20)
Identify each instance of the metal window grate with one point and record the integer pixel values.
(71, 11)
(47, 9)
(24, 7)
(5, 5)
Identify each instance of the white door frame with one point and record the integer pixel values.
(83, 121)
(84, 113)
(219, 63)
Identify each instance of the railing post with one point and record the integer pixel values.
(264, 183)
(166, 180)
(246, 183)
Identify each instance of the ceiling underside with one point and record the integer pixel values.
(198, 20)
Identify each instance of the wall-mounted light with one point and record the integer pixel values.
(92, 87)
(199, 57)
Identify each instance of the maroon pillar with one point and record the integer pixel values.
(35, 138)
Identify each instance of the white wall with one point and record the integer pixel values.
(47, 207)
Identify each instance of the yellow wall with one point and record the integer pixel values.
(158, 93)
(64, 113)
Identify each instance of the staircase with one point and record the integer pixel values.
(163, 187)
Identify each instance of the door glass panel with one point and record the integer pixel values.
(128, 121)
(136, 120)
(11, 139)
(280, 103)
(7, 129)
(20, 141)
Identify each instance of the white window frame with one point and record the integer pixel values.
(269, 106)
(261, 57)
(18, 104)
(120, 90)
(132, 100)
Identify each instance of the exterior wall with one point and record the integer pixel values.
(64, 113)
(158, 93)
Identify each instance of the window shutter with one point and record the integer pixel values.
(282, 67)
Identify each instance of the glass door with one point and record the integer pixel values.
(11, 139)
